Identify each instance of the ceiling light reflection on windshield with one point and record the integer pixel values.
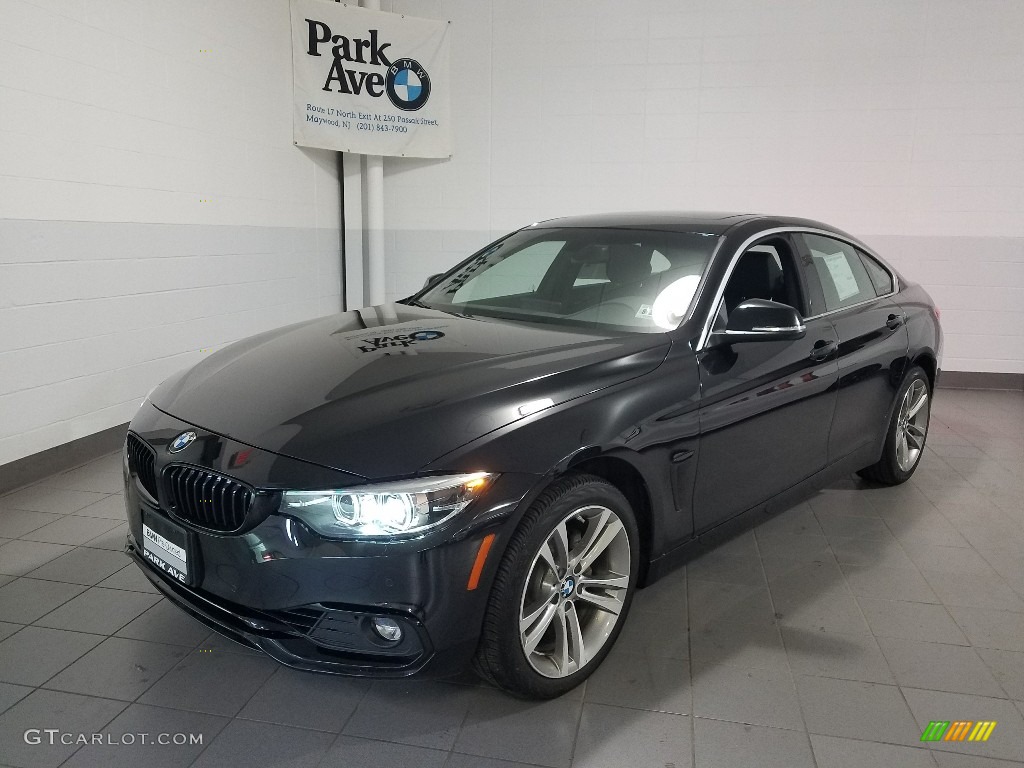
(672, 304)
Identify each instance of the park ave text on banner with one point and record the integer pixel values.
(369, 82)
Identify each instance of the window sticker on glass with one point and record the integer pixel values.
(842, 275)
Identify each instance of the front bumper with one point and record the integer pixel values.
(307, 601)
(286, 635)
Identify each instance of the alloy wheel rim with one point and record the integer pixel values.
(912, 426)
(575, 591)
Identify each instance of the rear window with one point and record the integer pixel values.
(596, 272)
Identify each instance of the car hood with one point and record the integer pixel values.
(384, 391)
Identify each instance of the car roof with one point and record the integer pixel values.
(709, 222)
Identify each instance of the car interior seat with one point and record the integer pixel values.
(628, 264)
(627, 267)
(756, 276)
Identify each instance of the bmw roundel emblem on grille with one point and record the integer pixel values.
(181, 442)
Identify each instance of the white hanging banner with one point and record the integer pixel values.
(369, 82)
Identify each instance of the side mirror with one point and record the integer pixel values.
(761, 320)
(432, 279)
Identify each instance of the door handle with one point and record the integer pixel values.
(680, 456)
(822, 350)
(894, 321)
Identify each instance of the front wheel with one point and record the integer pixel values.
(562, 590)
(904, 442)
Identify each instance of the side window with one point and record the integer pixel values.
(881, 278)
(766, 270)
(659, 263)
(592, 273)
(597, 272)
(844, 278)
(519, 273)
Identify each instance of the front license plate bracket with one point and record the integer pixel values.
(170, 548)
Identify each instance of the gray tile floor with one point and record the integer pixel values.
(829, 636)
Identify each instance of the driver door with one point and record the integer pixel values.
(766, 406)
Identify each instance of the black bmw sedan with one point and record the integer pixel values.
(487, 471)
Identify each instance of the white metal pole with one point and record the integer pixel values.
(375, 227)
(375, 215)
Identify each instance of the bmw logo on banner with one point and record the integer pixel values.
(369, 82)
(408, 85)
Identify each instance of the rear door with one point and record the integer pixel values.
(766, 406)
(858, 296)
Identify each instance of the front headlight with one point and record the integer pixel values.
(386, 509)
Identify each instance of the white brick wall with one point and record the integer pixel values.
(152, 205)
(901, 121)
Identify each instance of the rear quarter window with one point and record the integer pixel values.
(844, 278)
(880, 277)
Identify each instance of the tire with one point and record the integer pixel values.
(553, 589)
(907, 432)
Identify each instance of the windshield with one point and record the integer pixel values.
(633, 280)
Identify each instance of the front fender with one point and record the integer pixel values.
(647, 422)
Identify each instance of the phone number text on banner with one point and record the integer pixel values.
(369, 82)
